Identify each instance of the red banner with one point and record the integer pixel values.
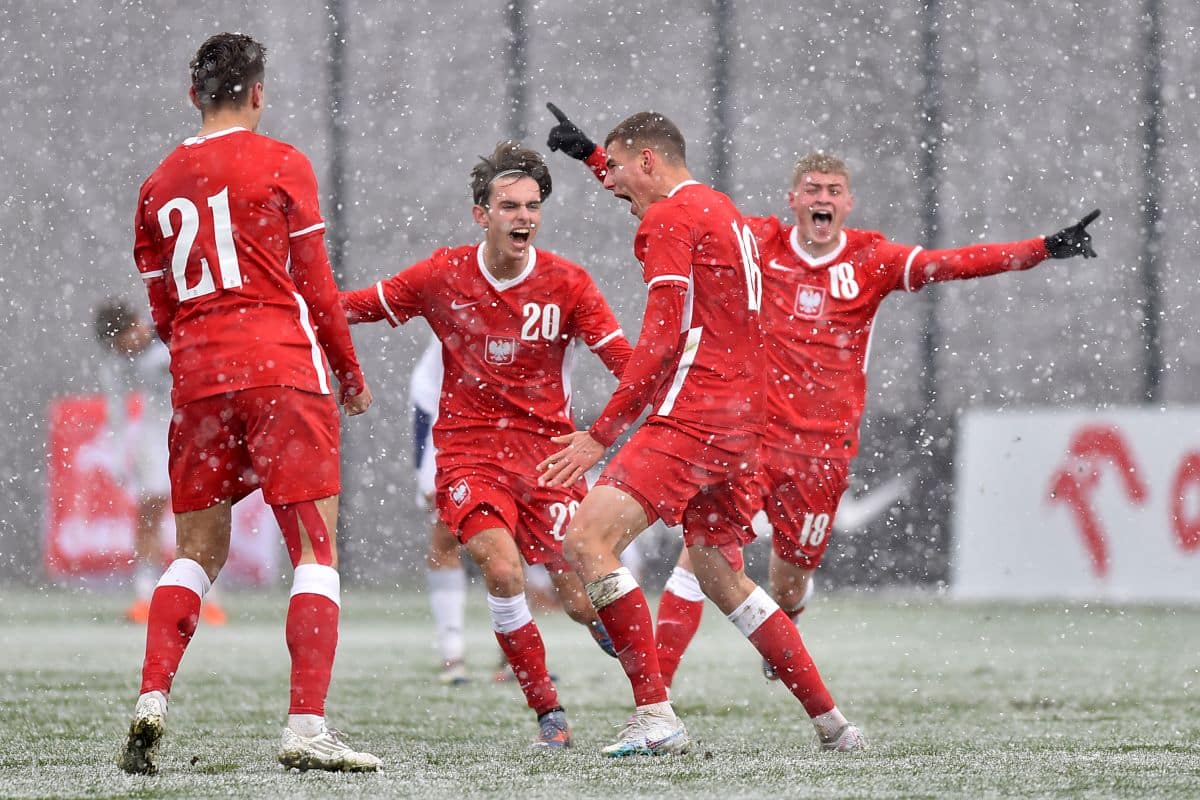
(91, 516)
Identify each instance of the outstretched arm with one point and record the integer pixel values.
(976, 261)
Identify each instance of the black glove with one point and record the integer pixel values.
(567, 137)
(1073, 241)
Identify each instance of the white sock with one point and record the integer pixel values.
(447, 602)
(162, 697)
(308, 725)
(829, 723)
(663, 709)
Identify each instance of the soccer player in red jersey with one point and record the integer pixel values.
(823, 284)
(508, 317)
(229, 240)
(699, 363)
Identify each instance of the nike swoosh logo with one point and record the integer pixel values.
(457, 306)
(773, 264)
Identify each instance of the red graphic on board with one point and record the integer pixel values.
(1092, 449)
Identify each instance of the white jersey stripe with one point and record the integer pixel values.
(383, 302)
(309, 229)
(318, 361)
(149, 276)
(606, 340)
(908, 268)
(691, 347)
(684, 279)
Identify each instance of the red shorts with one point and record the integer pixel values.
(285, 441)
(679, 478)
(800, 495)
(536, 516)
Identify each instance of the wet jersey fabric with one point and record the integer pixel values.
(818, 315)
(228, 238)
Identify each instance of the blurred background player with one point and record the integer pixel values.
(699, 363)
(445, 578)
(822, 287)
(508, 317)
(138, 362)
(229, 240)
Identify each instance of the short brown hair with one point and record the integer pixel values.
(509, 157)
(653, 130)
(113, 318)
(225, 68)
(818, 161)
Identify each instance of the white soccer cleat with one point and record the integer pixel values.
(848, 739)
(145, 731)
(324, 751)
(454, 673)
(650, 734)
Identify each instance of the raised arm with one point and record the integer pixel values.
(567, 137)
(976, 261)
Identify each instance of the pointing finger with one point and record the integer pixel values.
(1089, 219)
(561, 117)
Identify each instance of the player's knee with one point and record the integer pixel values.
(502, 577)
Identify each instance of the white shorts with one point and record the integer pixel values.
(151, 474)
(425, 456)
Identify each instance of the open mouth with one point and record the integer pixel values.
(822, 221)
(520, 235)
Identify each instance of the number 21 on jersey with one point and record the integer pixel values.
(748, 247)
(189, 227)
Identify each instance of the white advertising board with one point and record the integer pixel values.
(1087, 505)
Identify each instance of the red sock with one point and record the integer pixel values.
(628, 622)
(174, 611)
(780, 644)
(678, 621)
(527, 655)
(312, 637)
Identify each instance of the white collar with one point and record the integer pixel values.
(803, 255)
(680, 186)
(193, 140)
(498, 284)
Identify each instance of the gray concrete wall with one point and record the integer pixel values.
(1042, 124)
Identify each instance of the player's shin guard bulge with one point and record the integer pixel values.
(626, 615)
(312, 635)
(174, 612)
(679, 614)
(522, 644)
(760, 620)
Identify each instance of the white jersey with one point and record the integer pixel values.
(149, 374)
(425, 383)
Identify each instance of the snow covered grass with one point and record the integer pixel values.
(970, 701)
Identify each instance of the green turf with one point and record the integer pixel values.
(970, 701)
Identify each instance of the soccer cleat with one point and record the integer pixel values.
(848, 739)
(598, 632)
(553, 731)
(454, 673)
(145, 732)
(324, 751)
(650, 734)
(138, 612)
(211, 613)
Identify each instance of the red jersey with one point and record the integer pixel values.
(228, 237)
(818, 315)
(507, 346)
(696, 240)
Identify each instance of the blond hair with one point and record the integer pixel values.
(820, 162)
